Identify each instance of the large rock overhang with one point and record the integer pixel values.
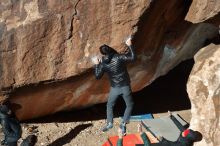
(46, 48)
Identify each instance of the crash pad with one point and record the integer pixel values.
(140, 117)
(164, 126)
(129, 140)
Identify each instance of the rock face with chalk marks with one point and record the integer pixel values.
(46, 48)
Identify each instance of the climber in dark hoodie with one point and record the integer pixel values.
(10, 126)
(114, 64)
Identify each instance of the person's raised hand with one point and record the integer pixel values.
(96, 60)
(128, 41)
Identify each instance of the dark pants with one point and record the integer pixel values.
(12, 144)
(126, 93)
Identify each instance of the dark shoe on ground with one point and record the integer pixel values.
(3, 142)
(107, 127)
(29, 141)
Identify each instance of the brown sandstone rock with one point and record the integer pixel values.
(51, 40)
(203, 88)
(46, 47)
(202, 10)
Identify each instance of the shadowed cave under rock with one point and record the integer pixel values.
(168, 92)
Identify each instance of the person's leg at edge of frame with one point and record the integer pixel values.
(113, 95)
(127, 96)
(12, 140)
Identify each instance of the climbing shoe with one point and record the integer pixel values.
(107, 127)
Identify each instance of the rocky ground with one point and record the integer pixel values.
(57, 131)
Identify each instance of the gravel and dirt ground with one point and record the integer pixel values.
(52, 132)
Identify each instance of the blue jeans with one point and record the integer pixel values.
(126, 93)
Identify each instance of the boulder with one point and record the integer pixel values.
(203, 88)
(46, 48)
(204, 10)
